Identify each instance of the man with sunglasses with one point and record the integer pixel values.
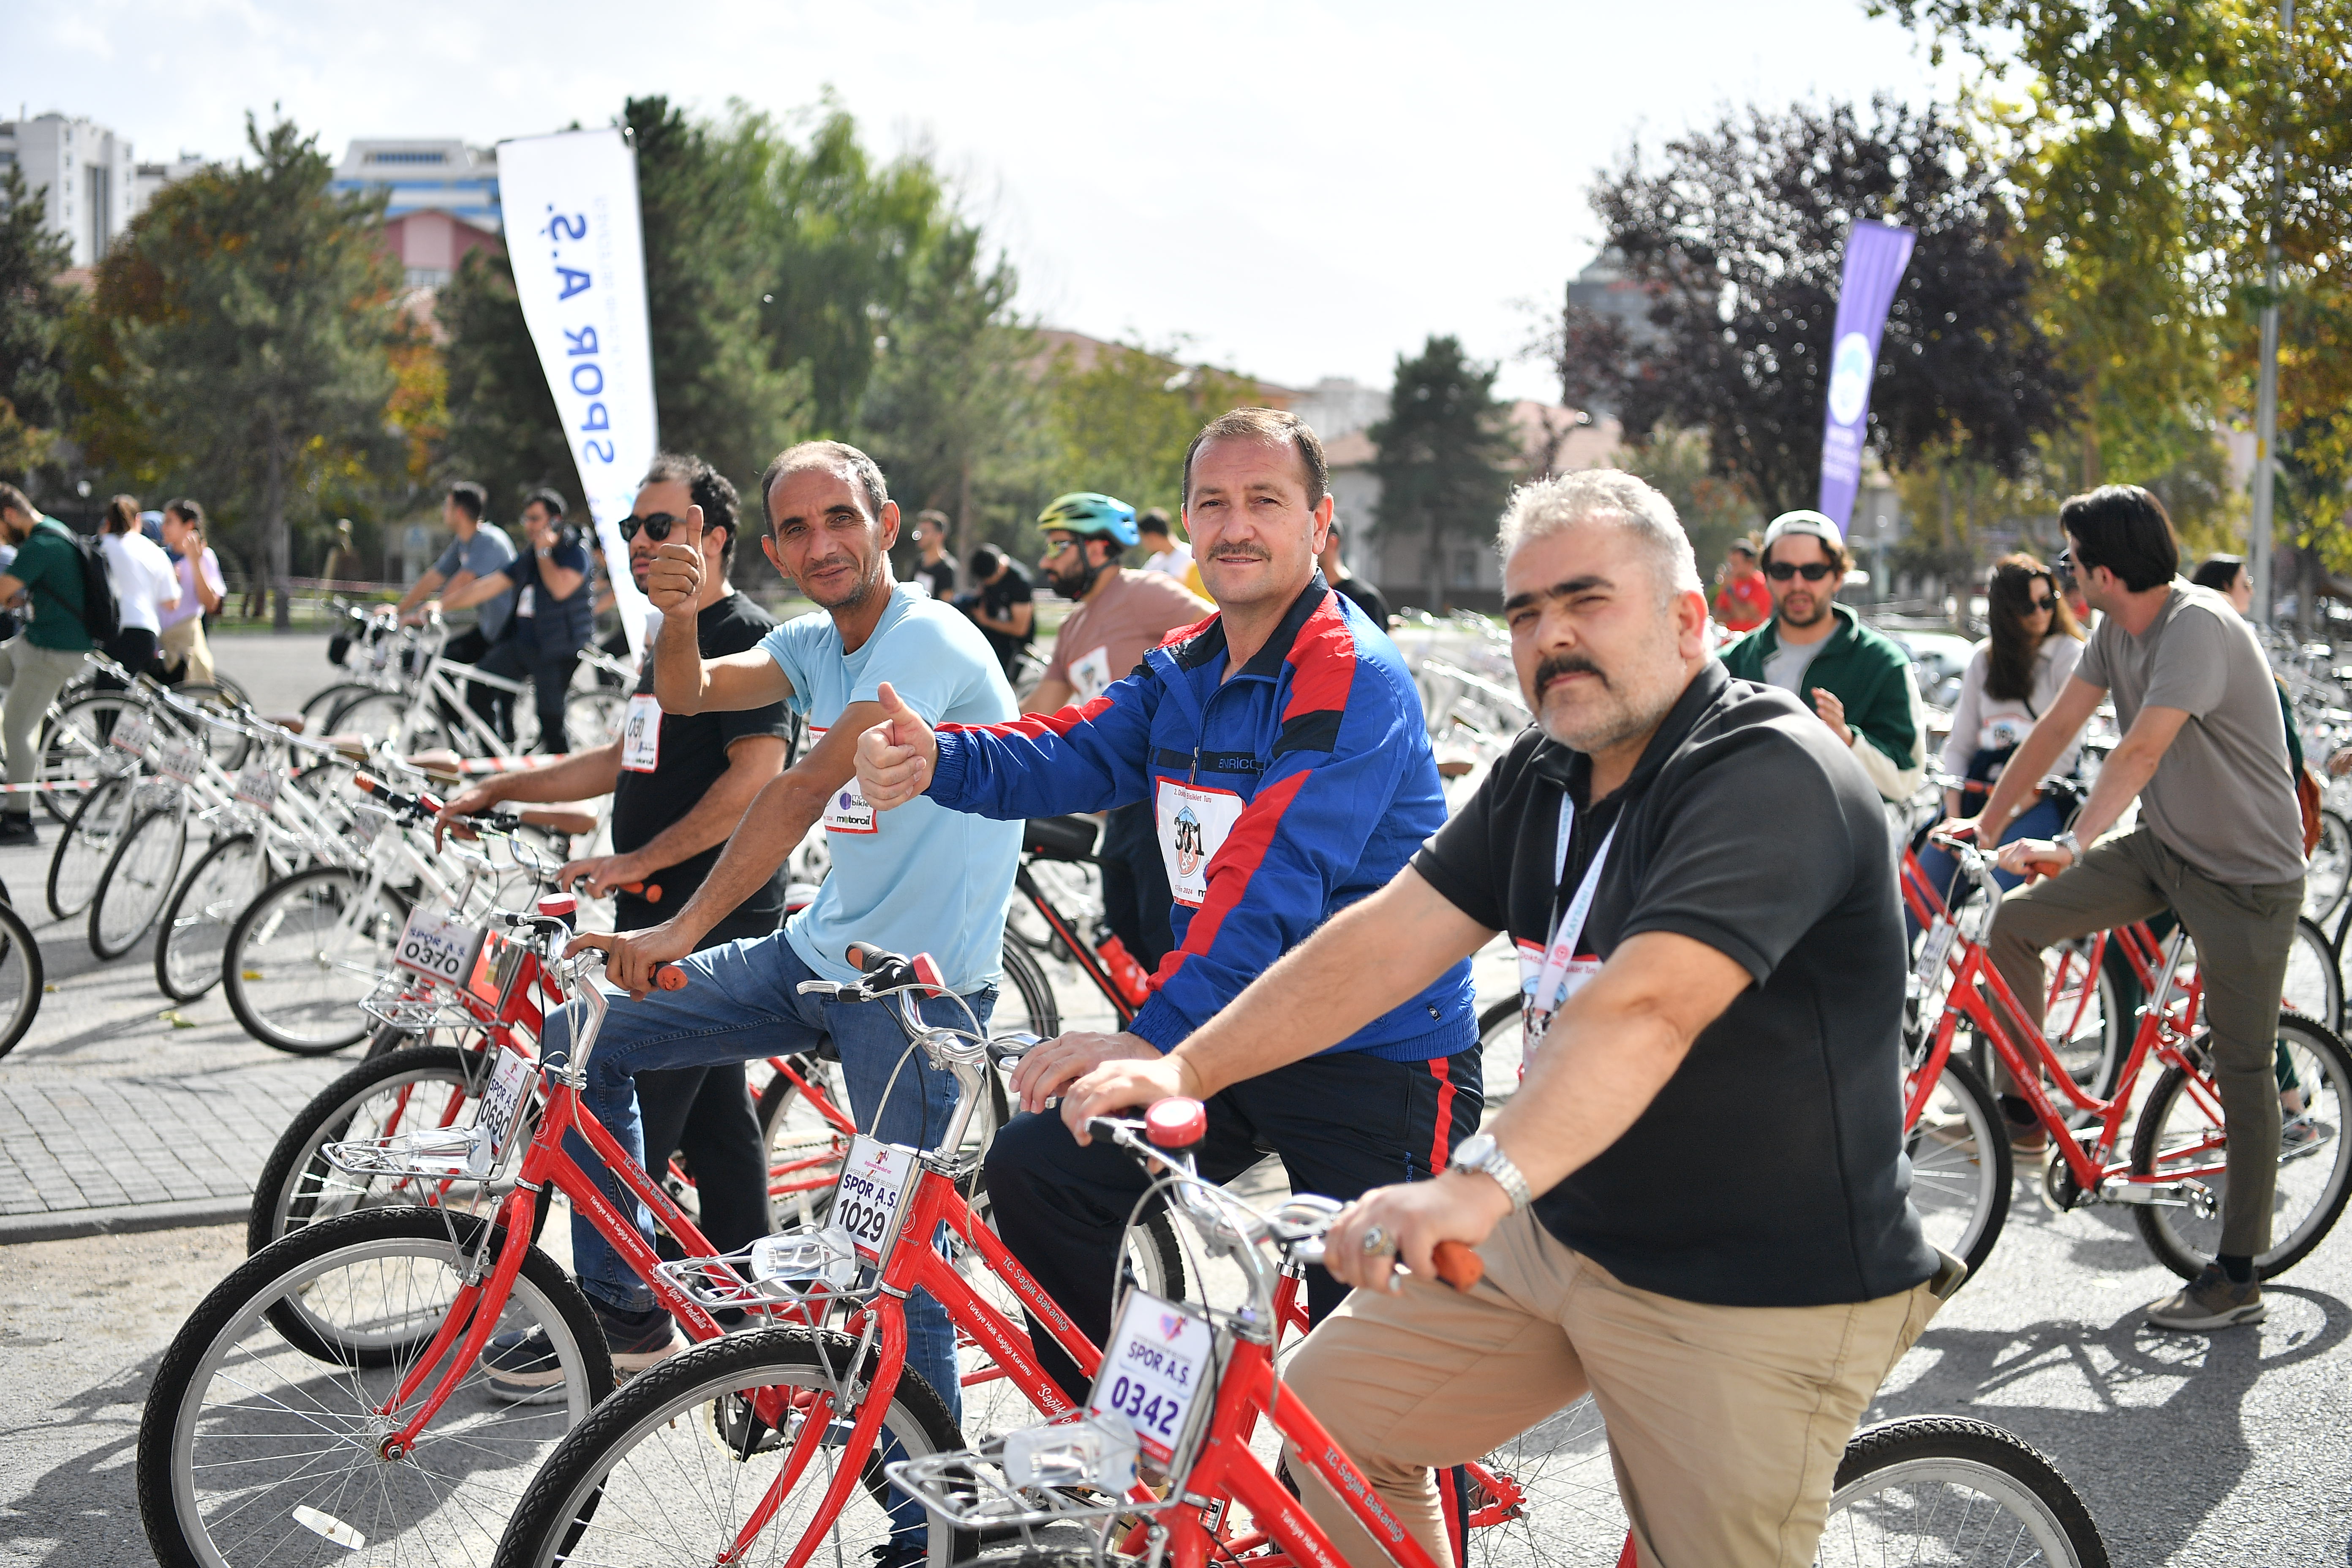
(1121, 616)
(1857, 680)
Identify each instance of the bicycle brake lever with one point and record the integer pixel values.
(823, 988)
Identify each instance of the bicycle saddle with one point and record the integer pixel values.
(1059, 837)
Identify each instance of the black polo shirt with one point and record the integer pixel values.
(1769, 1170)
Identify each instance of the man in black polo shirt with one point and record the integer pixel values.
(679, 784)
(1696, 1207)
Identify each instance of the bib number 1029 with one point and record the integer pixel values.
(870, 1197)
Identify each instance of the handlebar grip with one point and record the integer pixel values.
(1457, 1265)
(670, 977)
(864, 955)
(650, 892)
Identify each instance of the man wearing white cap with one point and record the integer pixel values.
(1857, 679)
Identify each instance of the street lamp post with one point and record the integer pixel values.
(2258, 544)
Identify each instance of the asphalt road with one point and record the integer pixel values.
(2191, 1450)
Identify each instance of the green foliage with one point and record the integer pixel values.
(1740, 233)
(1713, 510)
(504, 429)
(1121, 424)
(1445, 456)
(32, 328)
(241, 339)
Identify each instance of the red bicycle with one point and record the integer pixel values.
(2174, 1177)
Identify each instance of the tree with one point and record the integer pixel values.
(244, 328)
(1445, 455)
(1741, 235)
(1122, 423)
(32, 327)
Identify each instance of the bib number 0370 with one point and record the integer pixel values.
(438, 947)
(870, 1198)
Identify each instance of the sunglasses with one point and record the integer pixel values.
(2041, 605)
(657, 527)
(1811, 570)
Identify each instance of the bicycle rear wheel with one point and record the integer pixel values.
(2330, 870)
(138, 881)
(305, 954)
(20, 979)
(2312, 987)
(73, 741)
(1945, 1489)
(88, 844)
(2180, 1134)
(197, 921)
(670, 1469)
(1961, 1167)
(804, 1148)
(1025, 978)
(262, 1434)
(1547, 1499)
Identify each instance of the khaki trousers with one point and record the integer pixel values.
(186, 641)
(33, 676)
(2242, 933)
(1726, 1424)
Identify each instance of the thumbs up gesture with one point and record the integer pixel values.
(674, 581)
(895, 758)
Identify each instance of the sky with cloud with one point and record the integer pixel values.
(1297, 189)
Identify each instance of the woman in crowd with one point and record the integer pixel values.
(145, 586)
(2012, 678)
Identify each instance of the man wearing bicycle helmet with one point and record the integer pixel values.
(1120, 615)
(1696, 1207)
(1280, 747)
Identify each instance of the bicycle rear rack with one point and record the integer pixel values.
(438, 1154)
(1072, 1471)
(798, 1268)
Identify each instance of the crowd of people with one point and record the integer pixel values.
(1701, 1000)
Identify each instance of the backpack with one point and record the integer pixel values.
(101, 615)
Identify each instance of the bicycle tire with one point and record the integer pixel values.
(297, 1187)
(378, 715)
(2330, 871)
(20, 978)
(1499, 1050)
(330, 1018)
(804, 1149)
(2312, 987)
(87, 844)
(593, 718)
(1876, 1502)
(72, 743)
(407, 1509)
(319, 708)
(1961, 1195)
(616, 1466)
(1025, 978)
(2185, 1244)
(138, 881)
(227, 747)
(197, 921)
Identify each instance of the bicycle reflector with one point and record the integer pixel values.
(927, 970)
(1176, 1122)
(558, 906)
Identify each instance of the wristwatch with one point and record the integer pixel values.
(1481, 1154)
(2069, 843)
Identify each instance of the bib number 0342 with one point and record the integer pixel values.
(1156, 1372)
(870, 1198)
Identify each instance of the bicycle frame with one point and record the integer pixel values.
(1081, 950)
(1981, 997)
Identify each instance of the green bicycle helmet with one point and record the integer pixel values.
(1089, 512)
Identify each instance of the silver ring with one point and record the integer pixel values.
(1376, 1242)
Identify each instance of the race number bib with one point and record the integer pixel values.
(1089, 674)
(641, 734)
(1193, 824)
(527, 601)
(846, 811)
(438, 946)
(1155, 1372)
(502, 1103)
(871, 1194)
(183, 761)
(131, 734)
(257, 785)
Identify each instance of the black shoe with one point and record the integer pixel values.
(16, 827)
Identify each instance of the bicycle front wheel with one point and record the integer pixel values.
(264, 1428)
(20, 978)
(670, 1469)
(305, 954)
(137, 882)
(1945, 1489)
(197, 921)
(2180, 1135)
(1961, 1167)
(414, 1089)
(88, 844)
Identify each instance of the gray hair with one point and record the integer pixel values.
(1560, 501)
(861, 470)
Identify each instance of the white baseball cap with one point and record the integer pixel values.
(1811, 523)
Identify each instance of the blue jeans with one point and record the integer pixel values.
(2040, 821)
(741, 1001)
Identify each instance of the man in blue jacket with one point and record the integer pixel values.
(1281, 746)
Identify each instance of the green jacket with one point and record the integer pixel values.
(1870, 673)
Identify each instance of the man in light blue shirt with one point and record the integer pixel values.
(924, 881)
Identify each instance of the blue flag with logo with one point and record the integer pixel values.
(1875, 255)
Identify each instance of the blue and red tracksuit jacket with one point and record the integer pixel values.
(1320, 735)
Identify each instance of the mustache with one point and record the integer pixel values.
(1560, 664)
(1243, 550)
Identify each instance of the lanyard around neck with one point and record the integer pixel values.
(1567, 929)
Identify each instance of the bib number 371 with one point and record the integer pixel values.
(871, 1196)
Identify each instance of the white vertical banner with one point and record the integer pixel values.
(579, 260)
